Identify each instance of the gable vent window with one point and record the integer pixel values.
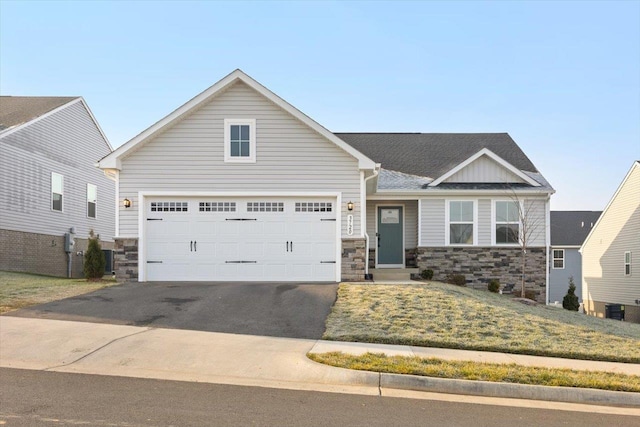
(314, 207)
(169, 206)
(217, 206)
(240, 140)
(265, 206)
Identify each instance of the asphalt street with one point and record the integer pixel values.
(288, 310)
(37, 398)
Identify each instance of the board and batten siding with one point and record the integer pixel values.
(410, 220)
(66, 142)
(617, 231)
(434, 221)
(484, 169)
(189, 157)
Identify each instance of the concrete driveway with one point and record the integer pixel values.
(281, 310)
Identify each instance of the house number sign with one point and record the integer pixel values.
(350, 225)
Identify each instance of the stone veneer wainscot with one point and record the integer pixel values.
(353, 259)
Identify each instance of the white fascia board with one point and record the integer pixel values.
(112, 160)
(636, 164)
(16, 128)
(493, 156)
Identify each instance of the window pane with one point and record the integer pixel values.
(57, 202)
(244, 132)
(558, 254)
(235, 132)
(92, 193)
(507, 233)
(91, 210)
(466, 211)
(235, 148)
(244, 152)
(56, 183)
(558, 263)
(454, 211)
(501, 211)
(461, 234)
(512, 210)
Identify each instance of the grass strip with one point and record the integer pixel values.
(441, 315)
(19, 290)
(493, 372)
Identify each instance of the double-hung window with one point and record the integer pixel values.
(92, 200)
(507, 220)
(558, 259)
(240, 140)
(57, 191)
(627, 263)
(460, 222)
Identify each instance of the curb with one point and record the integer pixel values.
(516, 391)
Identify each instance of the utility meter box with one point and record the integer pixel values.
(69, 242)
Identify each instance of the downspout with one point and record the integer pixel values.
(364, 230)
(547, 227)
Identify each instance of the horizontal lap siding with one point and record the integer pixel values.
(433, 222)
(190, 157)
(410, 217)
(66, 142)
(618, 231)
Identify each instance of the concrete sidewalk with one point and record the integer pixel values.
(183, 355)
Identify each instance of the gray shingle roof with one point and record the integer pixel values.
(433, 154)
(570, 228)
(16, 110)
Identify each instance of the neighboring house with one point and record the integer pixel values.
(568, 231)
(611, 253)
(50, 185)
(239, 185)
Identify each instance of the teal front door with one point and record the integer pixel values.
(390, 236)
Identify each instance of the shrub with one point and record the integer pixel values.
(529, 294)
(427, 274)
(457, 279)
(570, 300)
(94, 260)
(494, 286)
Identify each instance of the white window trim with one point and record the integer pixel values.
(252, 140)
(494, 223)
(95, 202)
(447, 222)
(627, 263)
(51, 193)
(553, 259)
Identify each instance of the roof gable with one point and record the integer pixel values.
(500, 168)
(19, 110)
(113, 160)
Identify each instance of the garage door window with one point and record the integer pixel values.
(314, 207)
(217, 206)
(265, 206)
(169, 206)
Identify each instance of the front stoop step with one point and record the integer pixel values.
(392, 274)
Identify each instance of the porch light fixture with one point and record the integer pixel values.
(126, 203)
(350, 206)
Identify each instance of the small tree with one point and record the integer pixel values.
(570, 300)
(94, 260)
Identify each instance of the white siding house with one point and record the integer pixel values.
(48, 150)
(237, 185)
(611, 253)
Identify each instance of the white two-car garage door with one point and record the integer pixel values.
(240, 239)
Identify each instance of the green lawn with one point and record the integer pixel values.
(18, 290)
(494, 372)
(441, 315)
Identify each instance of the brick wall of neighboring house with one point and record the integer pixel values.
(41, 253)
(597, 309)
(126, 260)
(480, 265)
(353, 259)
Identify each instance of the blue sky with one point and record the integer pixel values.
(562, 78)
